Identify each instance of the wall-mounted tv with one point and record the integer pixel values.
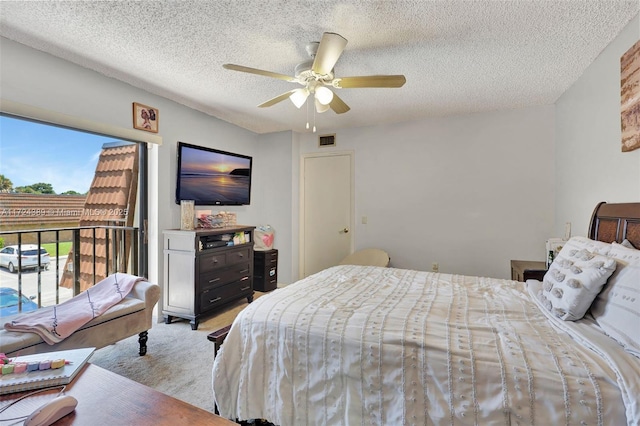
(212, 177)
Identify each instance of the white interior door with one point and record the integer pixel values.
(327, 216)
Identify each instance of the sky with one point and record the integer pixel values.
(32, 153)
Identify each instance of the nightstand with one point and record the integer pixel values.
(265, 270)
(522, 270)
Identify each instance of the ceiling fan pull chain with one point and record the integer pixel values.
(307, 115)
(314, 119)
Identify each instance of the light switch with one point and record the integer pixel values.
(364, 220)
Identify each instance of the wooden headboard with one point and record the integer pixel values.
(616, 222)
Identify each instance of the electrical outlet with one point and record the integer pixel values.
(435, 266)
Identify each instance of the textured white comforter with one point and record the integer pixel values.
(383, 346)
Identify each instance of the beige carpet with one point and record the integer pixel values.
(178, 361)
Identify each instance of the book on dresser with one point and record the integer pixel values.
(44, 376)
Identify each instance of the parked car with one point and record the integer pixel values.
(28, 257)
(9, 302)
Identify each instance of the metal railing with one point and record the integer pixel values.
(96, 252)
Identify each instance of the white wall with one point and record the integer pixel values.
(469, 192)
(591, 166)
(273, 177)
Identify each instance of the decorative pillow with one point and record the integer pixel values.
(617, 308)
(598, 247)
(627, 244)
(573, 280)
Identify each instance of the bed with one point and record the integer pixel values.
(386, 346)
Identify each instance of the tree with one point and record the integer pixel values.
(70, 192)
(43, 188)
(25, 190)
(5, 184)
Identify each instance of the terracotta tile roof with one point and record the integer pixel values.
(31, 211)
(110, 201)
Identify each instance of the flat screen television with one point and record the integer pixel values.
(212, 177)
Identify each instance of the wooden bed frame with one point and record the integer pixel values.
(616, 222)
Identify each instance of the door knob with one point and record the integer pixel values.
(345, 230)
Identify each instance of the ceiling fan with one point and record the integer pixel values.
(317, 75)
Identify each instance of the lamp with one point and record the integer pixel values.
(323, 95)
(320, 107)
(299, 96)
(322, 99)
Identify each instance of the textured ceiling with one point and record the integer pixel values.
(457, 56)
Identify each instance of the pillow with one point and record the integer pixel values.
(599, 247)
(627, 244)
(573, 280)
(617, 308)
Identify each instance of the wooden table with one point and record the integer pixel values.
(105, 398)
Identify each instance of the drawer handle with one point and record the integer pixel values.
(244, 278)
(240, 254)
(215, 300)
(215, 260)
(243, 271)
(214, 280)
(245, 288)
(274, 261)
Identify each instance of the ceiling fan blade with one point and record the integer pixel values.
(338, 106)
(259, 72)
(330, 49)
(277, 99)
(371, 81)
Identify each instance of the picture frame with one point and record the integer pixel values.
(630, 98)
(145, 118)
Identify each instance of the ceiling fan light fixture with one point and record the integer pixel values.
(299, 96)
(323, 95)
(320, 107)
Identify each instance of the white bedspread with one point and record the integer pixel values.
(383, 346)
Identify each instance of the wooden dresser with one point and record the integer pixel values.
(206, 269)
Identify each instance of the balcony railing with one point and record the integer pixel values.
(96, 252)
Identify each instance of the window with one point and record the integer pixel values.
(46, 178)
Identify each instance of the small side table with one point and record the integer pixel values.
(522, 270)
(265, 270)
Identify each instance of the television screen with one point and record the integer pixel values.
(212, 177)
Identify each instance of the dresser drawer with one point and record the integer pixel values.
(211, 261)
(238, 256)
(215, 296)
(240, 271)
(265, 259)
(266, 282)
